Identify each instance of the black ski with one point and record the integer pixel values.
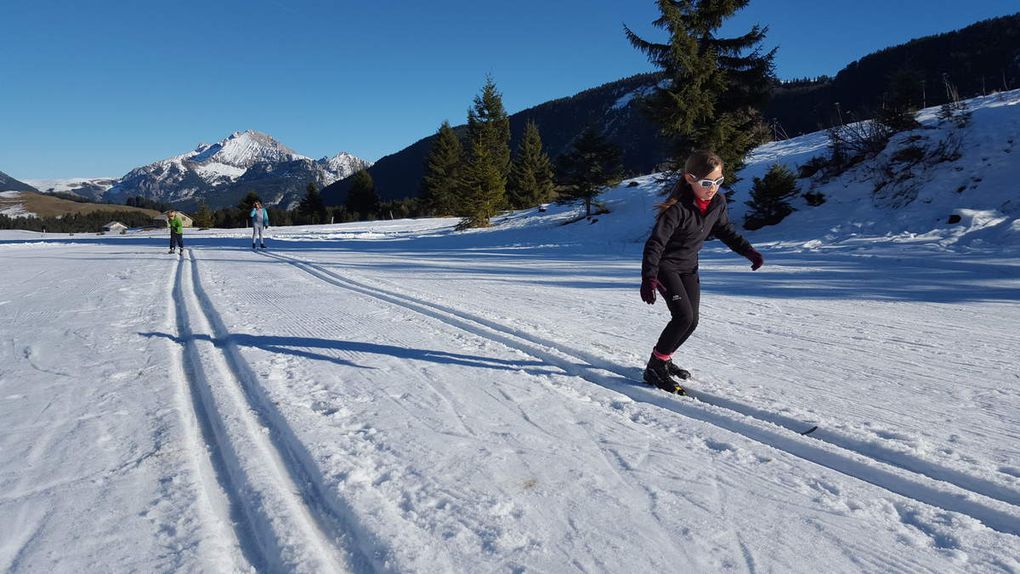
(680, 391)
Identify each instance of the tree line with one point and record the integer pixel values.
(977, 60)
(76, 222)
(476, 177)
(311, 210)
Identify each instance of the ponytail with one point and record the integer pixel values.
(674, 196)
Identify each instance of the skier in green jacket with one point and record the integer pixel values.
(176, 230)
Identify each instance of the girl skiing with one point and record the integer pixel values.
(693, 211)
(259, 222)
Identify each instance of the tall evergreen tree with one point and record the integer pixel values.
(588, 167)
(531, 174)
(362, 198)
(439, 184)
(203, 215)
(248, 202)
(489, 124)
(715, 86)
(481, 188)
(482, 184)
(311, 209)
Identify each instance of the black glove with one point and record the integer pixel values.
(649, 285)
(757, 260)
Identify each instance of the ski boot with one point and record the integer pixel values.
(658, 375)
(678, 372)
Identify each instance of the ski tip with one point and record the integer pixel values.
(810, 430)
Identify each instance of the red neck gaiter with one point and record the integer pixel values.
(702, 204)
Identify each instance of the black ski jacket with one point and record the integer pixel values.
(680, 233)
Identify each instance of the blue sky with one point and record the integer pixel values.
(97, 87)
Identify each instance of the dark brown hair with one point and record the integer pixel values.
(699, 163)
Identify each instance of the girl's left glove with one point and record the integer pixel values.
(649, 285)
(757, 260)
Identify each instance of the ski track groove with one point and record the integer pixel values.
(303, 324)
(902, 474)
(214, 504)
(287, 521)
(210, 437)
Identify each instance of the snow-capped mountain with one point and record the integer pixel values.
(223, 172)
(88, 187)
(343, 164)
(242, 150)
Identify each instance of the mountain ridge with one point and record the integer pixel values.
(8, 183)
(222, 173)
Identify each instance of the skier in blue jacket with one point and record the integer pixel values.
(259, 222)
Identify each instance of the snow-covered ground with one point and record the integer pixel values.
(400, 397)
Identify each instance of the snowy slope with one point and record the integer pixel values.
(11, 205)
(89, 187)
(400, 397)
(980, 184)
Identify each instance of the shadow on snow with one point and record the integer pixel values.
(301, 347)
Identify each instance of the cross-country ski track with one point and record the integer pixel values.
(991, 504)
(284, 520)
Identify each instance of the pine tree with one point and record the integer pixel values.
(248, 202)
(481, 188)
(489, 124)
(311, 209)
(531, 174)
(203, 215)
(901, 100)
(362, 198)
(769, 197)
(588, 167)
(239, 217)
(715, 85)
(278, 216)
(439, 184)
(482, 184)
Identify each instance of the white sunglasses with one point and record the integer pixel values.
(709, 183)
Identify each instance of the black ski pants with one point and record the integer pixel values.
(682, 292)
(177, 238)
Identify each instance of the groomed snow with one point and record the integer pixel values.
(400, 397)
